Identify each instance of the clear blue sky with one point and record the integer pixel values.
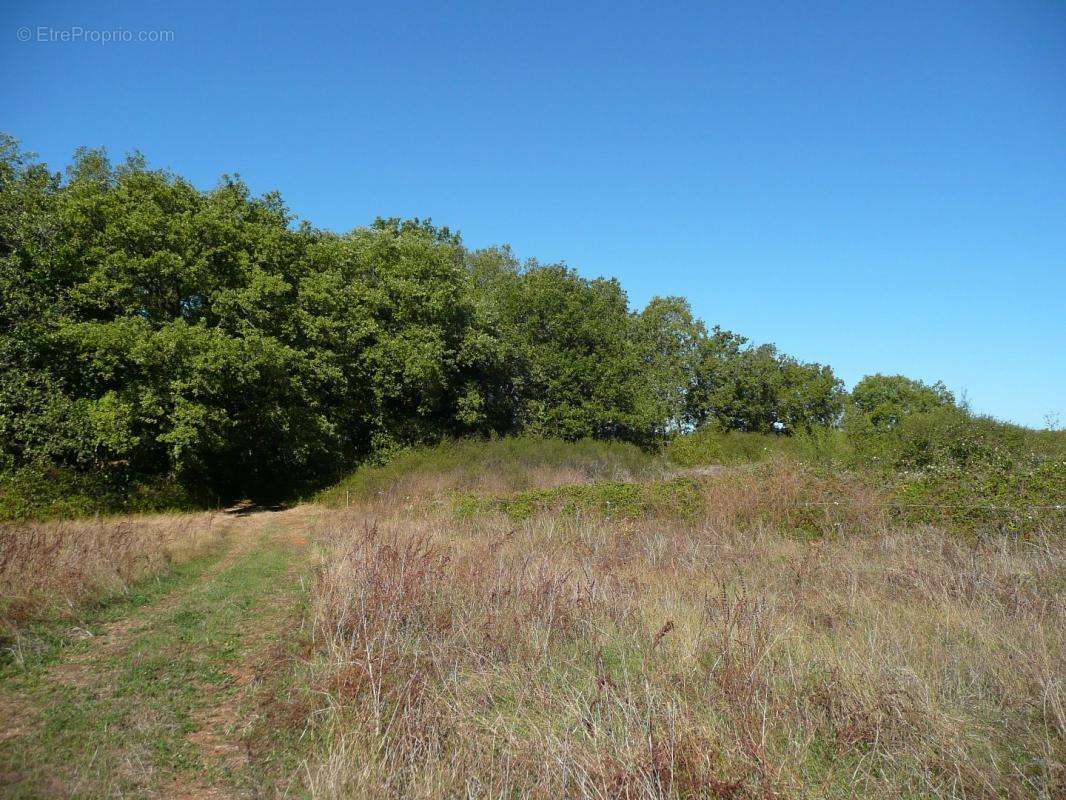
(879, 185)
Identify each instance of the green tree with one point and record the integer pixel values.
(151, 331)
(670, 341)
(886, 399)
(570, 341)
(758, 389)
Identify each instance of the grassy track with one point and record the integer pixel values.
(163, 700)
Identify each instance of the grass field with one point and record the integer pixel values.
(524, 619)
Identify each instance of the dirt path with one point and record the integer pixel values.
(171, 700)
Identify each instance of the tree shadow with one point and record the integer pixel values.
(247, 508)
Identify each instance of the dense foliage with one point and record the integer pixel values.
(161, 345)
(151, 331)
(943, 465)
(884, 401)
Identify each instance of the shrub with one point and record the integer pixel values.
(44, 491)
(886, 400)
(949, 466)
(679, 497)
(709, 445)
(493, 466)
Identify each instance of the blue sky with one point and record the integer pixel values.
(879, 186)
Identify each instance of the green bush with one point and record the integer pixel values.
(510, 462)
(973, 472)
(679, 497)
(942, 466)
(710, 445)
(886, 400)
(949, 437)
(42, 491)
(1022, 497)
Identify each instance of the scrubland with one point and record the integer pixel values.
(753, 584)
(534, 619)
(788, 637)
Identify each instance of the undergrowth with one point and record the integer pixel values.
(712, 446)
(944, 467)
(493, 466)
(679, 497)
(43, 491)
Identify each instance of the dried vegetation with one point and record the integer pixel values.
(786, 642)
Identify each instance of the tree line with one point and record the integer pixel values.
(152, 329)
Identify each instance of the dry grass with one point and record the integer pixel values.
(50, 569)
(788, 640)
(490, 467)
(651, 658)
(792, 498)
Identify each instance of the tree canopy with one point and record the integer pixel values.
(886, 400)
(149, 328)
